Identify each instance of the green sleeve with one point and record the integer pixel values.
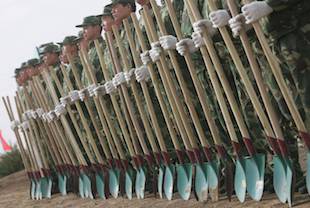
(278, 5)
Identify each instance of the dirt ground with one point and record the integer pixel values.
(14, 194)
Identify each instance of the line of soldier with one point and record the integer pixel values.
(144, 93)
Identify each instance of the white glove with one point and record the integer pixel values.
(198, 40)
(145, 57)
(168, 42)
(34, 114)
(74, 95)
(255, 10)
(118, 79)
(65, 100)
(25, 125)
(50, 116)
(186, 45)
(90, 90)
(40, 112)
(155, 51)
(14, 124)
(99, 90)
(109, 87)
(60, 110)
(206, 25)
(83, 94)
(142, 73)
(219, 18)
(128, 75)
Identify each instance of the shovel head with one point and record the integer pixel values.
(38, 195)
(114, 182)
(279, 178)
(160, 179)
(201, 181)
(46, 187)
(141, 184)
(255, 171)
(81, 187)
(87, 186)
(100, 185)
(184, 180)
(290, 180)
(33, 189)
(168, 181)
(128, 183)
(240, 180)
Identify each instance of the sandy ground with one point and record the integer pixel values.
(14, 193)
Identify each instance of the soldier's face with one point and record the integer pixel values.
(91, 32)
(107, 23)
(30, 72)
(120, 12)
(50, 58)
(142, 2)
(70, 50)
(63, 58)
(83, 45)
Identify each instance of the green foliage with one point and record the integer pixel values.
(10, 162)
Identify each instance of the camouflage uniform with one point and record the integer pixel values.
(288, 30)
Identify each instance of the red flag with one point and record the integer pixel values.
(5, 145)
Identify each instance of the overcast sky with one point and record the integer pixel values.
(29, 23)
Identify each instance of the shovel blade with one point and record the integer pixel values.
(114, 182)
(62, 180)
(279, 178)
(308, 172)
(201, 182)
(168, 181)
(255, 171)
(289, 179)
(142, 179)
(184, 180)
(128, 184)
(240, 180)
(87, 186)
(38, 194)
(213, 169)
(81, 187)
(100, 185)
(160, 179)
(33, 189)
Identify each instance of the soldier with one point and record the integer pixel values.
(286, 26)
(92, 29)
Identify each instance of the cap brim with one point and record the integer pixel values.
(81, 25)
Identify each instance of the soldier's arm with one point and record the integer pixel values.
(278, 5)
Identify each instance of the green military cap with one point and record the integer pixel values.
(69, 40)
(50, 48)
(90, 20)
(16, 71)
(24, 65)
(107, 11)
(33, 62)
(123, 1)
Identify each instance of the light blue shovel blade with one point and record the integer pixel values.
(44, 186)
(38, 190)
(289, 178)
(128, 184)
(168, 181)
(87, 186)
(100, 185)
(81, 187)
(114, 182)
(255, 170)
(240, 181)
(279, 178)
(50, 184)
(308, 172)
(160, 180)
(184, 171)
(142, 180)
(62, 180)
(137, 186)
(201, 182)
(33, 189)
(213, 170)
